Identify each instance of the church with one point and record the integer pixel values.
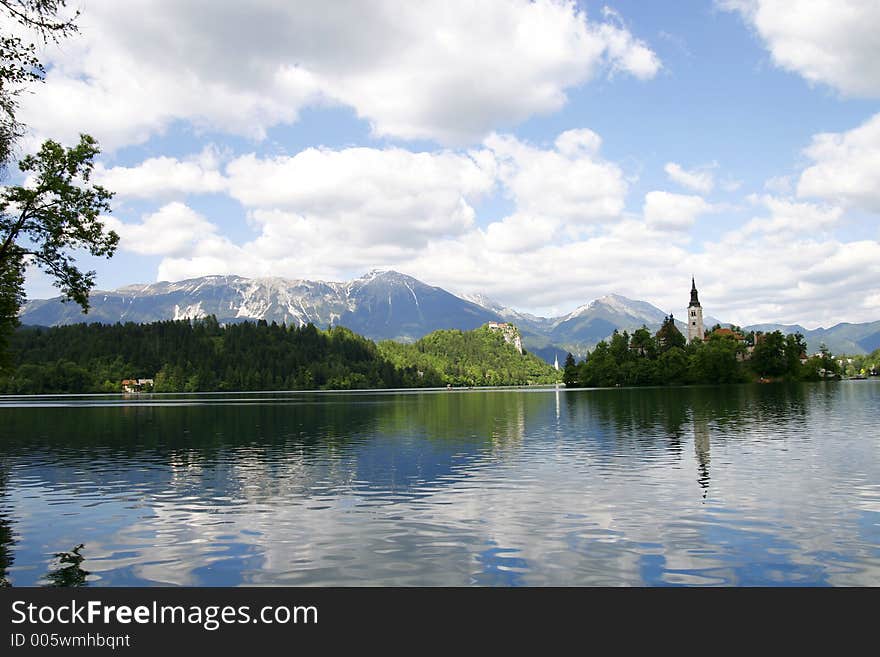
(695, 316)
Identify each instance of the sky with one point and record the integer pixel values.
(541, 153)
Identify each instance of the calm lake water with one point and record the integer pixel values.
(736, 485)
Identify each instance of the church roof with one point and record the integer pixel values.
(726, 333)
(695, 301)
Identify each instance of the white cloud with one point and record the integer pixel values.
(173, 230)
(331, 214)
(520, 232)
(448, 71)
(828, 41)
(569, 183)
(789, 278)
(787, 217)
(699, 180)
(336, 212)
(846, 166)
(778, 184)
(161, 176)
(629, 259)
(668, 211)
(364, 196)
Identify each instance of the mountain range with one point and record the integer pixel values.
(389, 305)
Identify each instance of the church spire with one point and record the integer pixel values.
(694, 300)
(695, 315)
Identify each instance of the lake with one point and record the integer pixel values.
(734, 485)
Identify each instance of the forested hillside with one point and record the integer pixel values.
(199, 355)
(203, 356)
(478, 357)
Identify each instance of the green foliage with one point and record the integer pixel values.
(716, 361)
(862, 364)
(768, 358)
(58, 212)
(11, 298)
(673, 366)
(600, 369)
(201, 355)
(570, 371)
(664, 359)
(821, 366)
(42, 222)
(198, 356)
(669, 336)
(470, 358)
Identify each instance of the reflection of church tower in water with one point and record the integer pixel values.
(701, 450)
(695, 316)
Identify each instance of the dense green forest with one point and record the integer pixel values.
(727, 356)
(196, 356)
(472, 358)
(203, 356)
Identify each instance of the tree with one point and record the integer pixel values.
(643, 343)
(619, 346)
(795, 349)
(669, 336)
(600, 369)
(768, 357)
(20, 65)
(570, 371)
(827, 362)
(673, 366)
(11, 298)
(715, 361)
(41, 222)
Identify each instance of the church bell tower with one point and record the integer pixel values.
(695, 315)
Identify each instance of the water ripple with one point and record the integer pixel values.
(741, 485)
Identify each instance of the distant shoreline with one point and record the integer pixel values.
(543, 387)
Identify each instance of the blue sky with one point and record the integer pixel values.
(541, 153)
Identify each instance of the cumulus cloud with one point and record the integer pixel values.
(173, 230)
(161, 176)
(833, 42)
(846, 166)
(447, 71)
(334, 213)
(668, 211)
(778, 184)
(699, 180)
(790, 278)
(788, 217)
(337, 211)
(520, 232)
(364, 196)
(569, 182)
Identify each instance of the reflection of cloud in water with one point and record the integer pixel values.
(474, 488)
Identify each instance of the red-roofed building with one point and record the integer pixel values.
(726, 333)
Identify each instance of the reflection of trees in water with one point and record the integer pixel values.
(627, 416)
(624, 415)
(6, 537)
(465, 415)
(257, 449)
(68, 571)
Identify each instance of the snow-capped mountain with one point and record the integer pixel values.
(380, 305)
(390, 305)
